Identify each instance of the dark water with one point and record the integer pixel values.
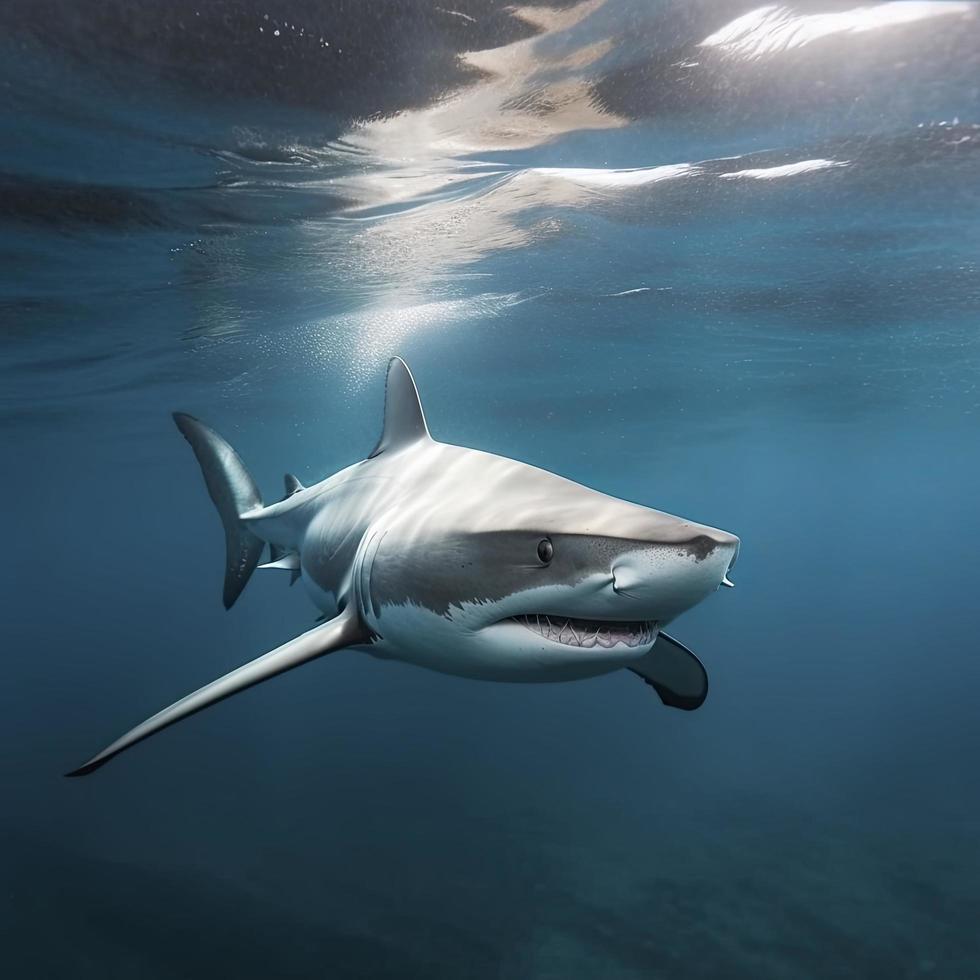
(776, 332)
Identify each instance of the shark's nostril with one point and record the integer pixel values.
(623, 580)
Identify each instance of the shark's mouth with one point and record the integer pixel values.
(589, 633)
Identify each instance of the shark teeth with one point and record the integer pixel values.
(589, 633)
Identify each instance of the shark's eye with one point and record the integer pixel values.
(546, 551)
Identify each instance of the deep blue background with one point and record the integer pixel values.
(195, 231)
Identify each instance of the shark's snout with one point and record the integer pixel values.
(727, 546)
(731, 563)
(667, 577)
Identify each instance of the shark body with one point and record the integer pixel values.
(463, 562)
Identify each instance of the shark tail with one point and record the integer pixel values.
(234, 492)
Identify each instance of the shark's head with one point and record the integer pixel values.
(535, 572)
(498, 566)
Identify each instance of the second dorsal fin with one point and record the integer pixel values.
(404, 422)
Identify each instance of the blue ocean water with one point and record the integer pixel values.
(720, 258)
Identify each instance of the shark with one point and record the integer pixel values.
(459, 561)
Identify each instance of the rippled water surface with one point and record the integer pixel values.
(715, 257)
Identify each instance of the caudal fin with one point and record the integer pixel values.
(234, 492)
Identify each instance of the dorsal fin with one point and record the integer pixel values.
(292, 485)
(404, 420)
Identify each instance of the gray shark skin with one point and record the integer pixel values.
(463, 562)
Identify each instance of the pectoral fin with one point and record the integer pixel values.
(342, 631)
(675, 673)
